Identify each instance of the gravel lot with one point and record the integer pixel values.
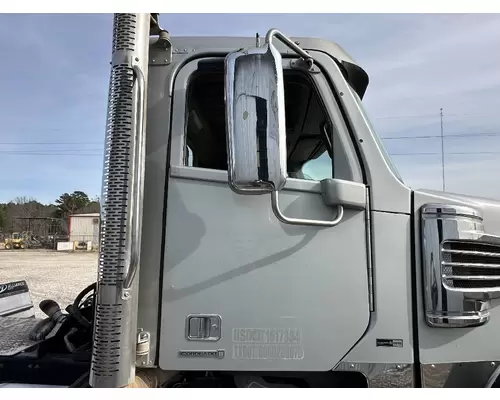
(59, 276)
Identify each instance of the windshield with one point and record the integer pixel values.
(381, 146)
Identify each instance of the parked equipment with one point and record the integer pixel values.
(16, 241)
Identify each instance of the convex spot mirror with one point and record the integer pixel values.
(255, 120)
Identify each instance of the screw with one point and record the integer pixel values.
(341, 93)
(137, 59)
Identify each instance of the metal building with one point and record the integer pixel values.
(84, 228)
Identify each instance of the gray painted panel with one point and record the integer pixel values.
(231, 256)
(339, 192)
(191, 44)
(444, 345)
(392, 281)
(157, 135)
(380, 178)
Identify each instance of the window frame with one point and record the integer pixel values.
(340, 140)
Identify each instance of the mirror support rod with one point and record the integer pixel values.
(300, 221)
(276, 33)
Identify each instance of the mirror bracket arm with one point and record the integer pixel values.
(300, 221)
(304, 54)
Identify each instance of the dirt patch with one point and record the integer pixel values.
(50, 275)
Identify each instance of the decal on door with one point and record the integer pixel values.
(202, 353)
(267, 344)
(389, 342)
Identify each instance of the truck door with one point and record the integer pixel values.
(242, 290)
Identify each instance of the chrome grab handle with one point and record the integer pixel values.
(301, 221)
(138, 179)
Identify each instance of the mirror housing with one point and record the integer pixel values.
(255, 120)
(254, 94)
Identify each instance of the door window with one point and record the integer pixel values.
(308, 132)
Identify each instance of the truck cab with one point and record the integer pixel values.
(255, 232)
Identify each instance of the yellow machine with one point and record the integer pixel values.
(17, 241)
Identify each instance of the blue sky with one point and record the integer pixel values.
(56, 69)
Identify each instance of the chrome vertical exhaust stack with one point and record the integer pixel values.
(115, 329)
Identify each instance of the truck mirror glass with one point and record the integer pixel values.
(255, 120)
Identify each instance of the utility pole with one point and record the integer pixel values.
(442, 149)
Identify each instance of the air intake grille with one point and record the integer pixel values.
(471, 265)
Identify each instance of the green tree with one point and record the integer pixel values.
(68, 204)
(3, 217)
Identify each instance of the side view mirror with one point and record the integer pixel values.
(255, 120)
(255, 123)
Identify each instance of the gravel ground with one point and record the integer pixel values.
(59, 276)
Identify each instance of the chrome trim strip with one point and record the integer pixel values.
(469, 265)
(382, 375)
(472, 277)
(451, 210)
(471, 253)
(481, 374)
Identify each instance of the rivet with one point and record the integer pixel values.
(341, 93)
(137, 59)
(351, 366)
(144, 363)
(166, 60)
(399, 366)
(493, 364)
(433, 366)
(154, 60)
